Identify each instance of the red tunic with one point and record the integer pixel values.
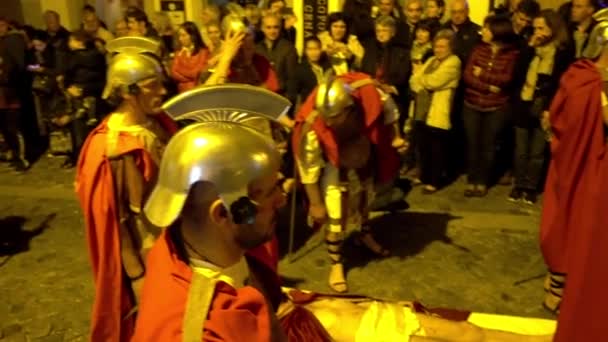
(574, 226)
(379, 134)
(186, 70)
(95, 190)
(234, 315)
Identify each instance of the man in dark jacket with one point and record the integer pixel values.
(466, 32)
(279, 51)
(466, 37)
(12, 72)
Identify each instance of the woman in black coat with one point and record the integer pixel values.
(545, 59)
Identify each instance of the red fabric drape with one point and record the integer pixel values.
(95, 191)
(574, 226)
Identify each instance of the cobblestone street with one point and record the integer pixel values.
(449, 251)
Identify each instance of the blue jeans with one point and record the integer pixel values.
(529, 158)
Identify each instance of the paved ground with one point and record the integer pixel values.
(476, 254)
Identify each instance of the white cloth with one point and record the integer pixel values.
(442, 82)
(234, 275)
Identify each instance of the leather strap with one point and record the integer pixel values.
(361, 83)
(200, 296)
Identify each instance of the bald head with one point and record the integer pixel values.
(459, 11)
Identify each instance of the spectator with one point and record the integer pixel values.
(84, 80)
(422, 50)
(422, 47)
(548, 55)
(191, 60)
(309, 72)
(213, 40)
(58, 34)
(389, 8)
(58, 37)
(275, 6)
(387, 62)
(467, 32)
(522, 18)
(288, 28)
(89, 9)
(162, 25)
(343, 48)
(211, 12)
(121, 29)
(435, 9)
(41, 62)
(138, 23)
(92, 25)
(412, 11)
(582, 22)
(358, 15)
(279, 51)
(488, 77)
(254, 15)
(465, 39)
(12, 72)
(435, 83)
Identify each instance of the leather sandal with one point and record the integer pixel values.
(336, 259)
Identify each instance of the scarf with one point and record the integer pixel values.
(542, 63)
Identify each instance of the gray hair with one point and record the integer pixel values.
(386, 20)
(445, 34)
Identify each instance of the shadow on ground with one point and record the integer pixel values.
(15, 238)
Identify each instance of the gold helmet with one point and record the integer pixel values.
(235, 22)
(223, 148)
(333, 96)
(135, 59)
(598, 38)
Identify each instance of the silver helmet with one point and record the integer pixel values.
(222, 147)
(133, 61)
(598, 38)
(333, 96)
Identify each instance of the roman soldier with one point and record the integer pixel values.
(117, 163)
(345, 143)
(574, 221)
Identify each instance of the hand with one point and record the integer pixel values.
(545, 124)
(494, 89)
(476, 71)
(318, 213)
(34, 68)
(74, 91)
(400, 144)
(232, 45)
(389, 89)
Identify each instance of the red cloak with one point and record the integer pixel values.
(95, 190)
(379, 134)
(234, 315)
(574, 226)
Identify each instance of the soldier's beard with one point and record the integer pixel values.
(251, 235)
